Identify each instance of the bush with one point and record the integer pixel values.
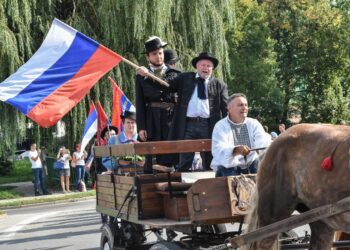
(20, 171)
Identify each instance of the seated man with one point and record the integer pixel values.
(129, 134)
(109, 134)
(233, 139)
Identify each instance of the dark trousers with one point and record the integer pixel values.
(38, 176)
(251, 169)
(195, 129)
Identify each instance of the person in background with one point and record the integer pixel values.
(79, 161)
(170, 58)
(155, 107)
(281, 127)
(127, 136)
(274, 135)
(37, 167)
(109, 133)
(234, 137)
(43, 157)
(64, 156)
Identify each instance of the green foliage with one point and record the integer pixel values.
(21, 171)
(253, 62)
(7, 193)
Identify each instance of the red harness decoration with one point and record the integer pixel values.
(327, 163)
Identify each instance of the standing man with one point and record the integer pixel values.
(155, 106)
(34, 156)
(233, 138)
(202, 102)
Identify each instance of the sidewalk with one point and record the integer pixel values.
(26, 189)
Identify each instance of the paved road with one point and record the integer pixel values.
(73, 225)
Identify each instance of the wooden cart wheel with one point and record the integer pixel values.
(107, 237)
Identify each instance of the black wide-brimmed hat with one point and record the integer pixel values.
(207, 56)
(129, 114)
(109, 128)
(153, 43)
(170, 56)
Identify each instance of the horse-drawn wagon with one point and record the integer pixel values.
(197, 204)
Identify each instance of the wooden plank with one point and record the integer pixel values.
(124, 179)
(126, 187)
(105, 184)
(104, 197)
(106, 211)
(105, 190)
(104, 178)
(292, 222)
(105, 204)
(157, 147)
(132, 210)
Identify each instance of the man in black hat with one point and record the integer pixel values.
(155, 106)
(201, 103)
(170, 58)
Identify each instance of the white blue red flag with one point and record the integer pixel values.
(90, 128)
(120, 104)
(58, 75)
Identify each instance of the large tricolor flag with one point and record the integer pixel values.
(90, 128)
(120, 104)
(58, 75)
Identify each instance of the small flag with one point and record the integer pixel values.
(90, 128)
(102, 123)
(120, 104)
(58, 75)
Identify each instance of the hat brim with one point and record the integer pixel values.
(160, 46)
(197, 59)
(173, 61)
(131, 117)
(110, 127)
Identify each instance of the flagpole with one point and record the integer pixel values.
(148, 74)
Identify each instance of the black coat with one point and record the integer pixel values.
(156, 121)
(185, 84)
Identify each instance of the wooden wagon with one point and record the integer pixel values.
(194, 205)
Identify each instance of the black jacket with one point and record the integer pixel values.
(184, 85)
(156, 121)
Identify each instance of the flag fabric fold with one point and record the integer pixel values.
(120, 104)
(90, 128)
(101, 124)
(58, 75)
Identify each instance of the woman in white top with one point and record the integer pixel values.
(63, 155)
(79, 164)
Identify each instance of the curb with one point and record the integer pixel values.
(42, 201)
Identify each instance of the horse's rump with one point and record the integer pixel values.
(290, 175)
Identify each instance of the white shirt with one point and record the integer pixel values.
(223, 143)
(80, 158)
(65, 160)
(37, 163)
(198, 107)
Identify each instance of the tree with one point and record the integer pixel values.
(253, 62)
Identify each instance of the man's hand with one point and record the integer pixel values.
(143, 71)
(143, 135)
(241, 150)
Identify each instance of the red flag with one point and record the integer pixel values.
(120, 104)
(102, 122)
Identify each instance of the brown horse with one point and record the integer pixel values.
(290, 178)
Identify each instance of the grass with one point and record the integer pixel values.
(45, 199)
(7, 193)
(21, 171)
